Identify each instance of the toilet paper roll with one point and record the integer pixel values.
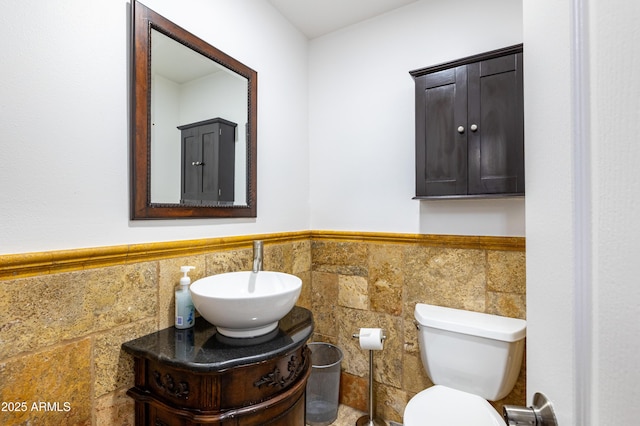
(371, 338)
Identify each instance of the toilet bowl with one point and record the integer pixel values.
(441, 405)
(471, 357)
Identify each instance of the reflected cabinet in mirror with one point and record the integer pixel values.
(193, 125)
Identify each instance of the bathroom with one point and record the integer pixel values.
(79, 277)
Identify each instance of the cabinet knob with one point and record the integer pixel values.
(460, 129)
(197, 163)
(474, 127)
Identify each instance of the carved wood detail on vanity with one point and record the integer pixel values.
(276, 379)
(166, 382)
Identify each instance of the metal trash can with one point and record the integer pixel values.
(323, 386)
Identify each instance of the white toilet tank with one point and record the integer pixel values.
(470, 351)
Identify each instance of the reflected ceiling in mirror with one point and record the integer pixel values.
(194, 125)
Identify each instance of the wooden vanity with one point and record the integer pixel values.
(199, 377)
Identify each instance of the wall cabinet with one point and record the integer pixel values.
(208, 162)
(470, 126)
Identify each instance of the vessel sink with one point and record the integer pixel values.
(245, 304)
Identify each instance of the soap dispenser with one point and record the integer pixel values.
(185, 312)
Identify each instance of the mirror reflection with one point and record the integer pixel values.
(193, 125)
(198, 121)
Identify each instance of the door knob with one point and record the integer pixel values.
(474, 127)
(540, 414)
(460, 129)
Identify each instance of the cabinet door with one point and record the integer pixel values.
(441, 149)
(209, 135)
(227, 164)
(191, 171)
(496, 126)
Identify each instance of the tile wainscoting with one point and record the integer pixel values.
(64, 314)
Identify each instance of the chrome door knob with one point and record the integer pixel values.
(540, 414)
(474, 127)
(460, 129)
(519, 416)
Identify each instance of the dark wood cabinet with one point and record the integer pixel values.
(208, 162)
(196, 377)
(470, 126)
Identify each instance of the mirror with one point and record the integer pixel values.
(193, 125)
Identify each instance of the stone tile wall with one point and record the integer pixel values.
(368, 284)
(60, 332)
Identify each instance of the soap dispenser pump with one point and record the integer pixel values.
(185, 312)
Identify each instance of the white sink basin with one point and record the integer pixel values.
(245, 304)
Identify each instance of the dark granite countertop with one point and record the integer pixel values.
(201, 348)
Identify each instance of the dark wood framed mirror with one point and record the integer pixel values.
(193, 125)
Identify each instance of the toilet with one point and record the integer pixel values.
(471, 357)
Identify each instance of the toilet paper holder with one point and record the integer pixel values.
(357, 336)
(370, 420)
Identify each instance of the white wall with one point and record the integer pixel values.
(166, 149)
(361, 113)
(65, 115)
(64, 121)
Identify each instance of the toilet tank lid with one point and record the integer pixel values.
(473, 323)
